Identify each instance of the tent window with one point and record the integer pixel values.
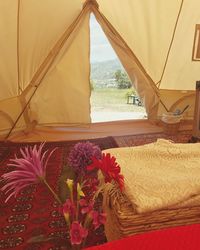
(196, 45)
(112, 97)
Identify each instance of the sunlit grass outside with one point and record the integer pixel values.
(112, 100)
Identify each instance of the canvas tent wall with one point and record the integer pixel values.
(45, 51)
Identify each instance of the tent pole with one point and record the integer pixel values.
(19, 116)
(18, 43)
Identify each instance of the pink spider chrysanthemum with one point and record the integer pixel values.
(30, 169)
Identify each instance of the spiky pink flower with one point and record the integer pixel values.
(30, 169)
(77, 233)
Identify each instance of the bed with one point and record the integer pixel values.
(162, 188)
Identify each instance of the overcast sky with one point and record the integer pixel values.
(101, 49)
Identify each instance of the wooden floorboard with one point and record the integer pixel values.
(96, 130)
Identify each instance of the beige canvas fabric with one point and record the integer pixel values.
(36, 26)
(45, 51)
(177, 99)
(10, 108)
(147, 28)
(55, 88)
(64, 94)
(181, 72)
(8, 49)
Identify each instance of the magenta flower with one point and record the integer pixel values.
(77, 233)
(30, 169)
(69, 207)
(86, 206)
(81, 154)
(98, 219)
(92, 184)
(69, 210)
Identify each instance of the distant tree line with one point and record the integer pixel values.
(122, 80)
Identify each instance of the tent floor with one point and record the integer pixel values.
(95, 130)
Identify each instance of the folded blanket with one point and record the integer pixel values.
(159, 175)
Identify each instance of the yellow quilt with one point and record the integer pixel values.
(159, 175)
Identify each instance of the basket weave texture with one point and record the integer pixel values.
(122, 221)
(170, 128)
(171, 123)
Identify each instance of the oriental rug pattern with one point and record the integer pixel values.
(32, 221)
(141, 139)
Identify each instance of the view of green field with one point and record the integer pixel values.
(109, 104)
(109, 82)
(113, 99)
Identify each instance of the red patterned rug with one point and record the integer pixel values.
(136, 140)
(32, 221)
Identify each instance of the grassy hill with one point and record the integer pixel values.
(105, 70)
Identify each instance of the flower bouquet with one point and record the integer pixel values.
(79, 210)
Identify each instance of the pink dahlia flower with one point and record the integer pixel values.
(77, 233)
(30, 169)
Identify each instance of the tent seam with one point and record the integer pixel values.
(19, 90)
(171, 43)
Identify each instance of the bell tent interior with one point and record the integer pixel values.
(45, 66)
(45, 95)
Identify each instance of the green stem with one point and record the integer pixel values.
(87, 224)
(51, 190)
(77, 209)
(71, 196)
(97, 193)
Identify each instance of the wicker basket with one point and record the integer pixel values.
(170, 128)
(171, 123)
